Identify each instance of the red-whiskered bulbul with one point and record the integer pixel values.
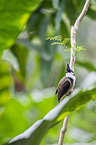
(66, 84)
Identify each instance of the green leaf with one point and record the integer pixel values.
(79, 48)
(21, 53)
(11, 117)
(5, 83)
(71, 11)
(45, 66)
(43, 28)
(86, 64)
(13, 17)
(35, 133)
(29, 45)
(55, 4)
(92, 13)
(58, 17)
(9, 56)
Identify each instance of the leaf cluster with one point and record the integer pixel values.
(65, 42)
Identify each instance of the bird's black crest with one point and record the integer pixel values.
(68, 68)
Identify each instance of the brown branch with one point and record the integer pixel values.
(74, 28)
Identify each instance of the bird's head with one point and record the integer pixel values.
(69, 71)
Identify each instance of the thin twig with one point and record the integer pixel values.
(74, 28)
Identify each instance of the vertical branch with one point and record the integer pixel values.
(73, 47)
(74, 28)
(63, 130)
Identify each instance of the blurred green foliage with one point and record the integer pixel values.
(35, 133)
(13, 16)
(31, 67)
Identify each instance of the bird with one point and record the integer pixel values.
(66, 84)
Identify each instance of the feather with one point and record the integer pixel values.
(63, 87)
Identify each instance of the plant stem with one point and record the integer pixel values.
(74, 28)
(63, 130)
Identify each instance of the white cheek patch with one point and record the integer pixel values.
(71, 76)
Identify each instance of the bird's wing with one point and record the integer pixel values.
(63, 87)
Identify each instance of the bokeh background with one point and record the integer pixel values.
(31, 68)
